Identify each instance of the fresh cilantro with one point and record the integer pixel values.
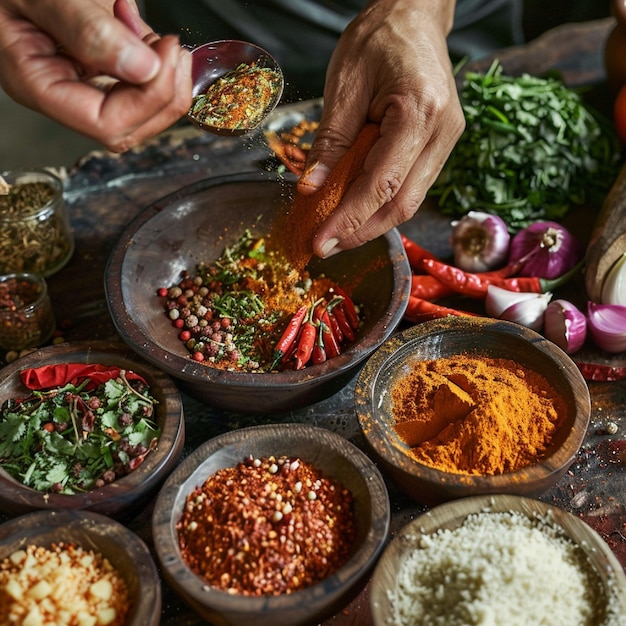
(69, 440)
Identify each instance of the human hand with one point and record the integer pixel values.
(94, 66)
(391, 66)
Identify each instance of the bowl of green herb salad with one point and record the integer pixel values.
(195, 286)
(86, 426)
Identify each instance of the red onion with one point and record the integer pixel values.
(565, 325)
(607, 326)
(480, 241)
(545, 250)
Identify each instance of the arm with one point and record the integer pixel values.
(94, 66)
(391, 66)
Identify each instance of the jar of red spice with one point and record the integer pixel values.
(26, 316)
(35, 234)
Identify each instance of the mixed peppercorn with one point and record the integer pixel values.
(268, 526)
(250, 311)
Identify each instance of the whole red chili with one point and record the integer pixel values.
(419, 310)
(331, 341)
(335, 308)
(415, 253)
(428, 287)
(319, 352)
(600, 372)
(348, 307)
(287, 339)
(306, 341)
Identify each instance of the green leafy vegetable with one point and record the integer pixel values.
(67, 440)
(531, 150)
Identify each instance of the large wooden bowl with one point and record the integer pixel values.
(610, 574)
(476, 336)
(195, 224)
(125, 497)
(335, 457)
(126, 552)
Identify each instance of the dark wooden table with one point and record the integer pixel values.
(105, 191)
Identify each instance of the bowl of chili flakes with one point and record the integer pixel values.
(297, 536)
(121, 496)
(195, 225)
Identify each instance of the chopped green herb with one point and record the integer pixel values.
(531, 150)
(67, 440)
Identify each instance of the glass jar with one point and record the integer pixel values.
(26, 316)
(35, 235)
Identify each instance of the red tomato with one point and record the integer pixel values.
(619, 114)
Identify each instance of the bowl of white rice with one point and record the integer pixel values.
(501, 560)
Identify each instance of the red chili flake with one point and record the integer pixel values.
(267, 526)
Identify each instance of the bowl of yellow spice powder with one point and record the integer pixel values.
(460, 407)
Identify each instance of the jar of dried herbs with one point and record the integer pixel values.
(35, 235)
(26, 316)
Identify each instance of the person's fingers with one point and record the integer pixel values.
(89, 34)
(373, 222)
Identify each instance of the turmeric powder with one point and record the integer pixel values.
(296, 225)
(476, 415)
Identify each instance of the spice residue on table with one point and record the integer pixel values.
(476, 415)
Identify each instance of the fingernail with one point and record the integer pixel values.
(315, 175)
(138, 63)
(330, 248)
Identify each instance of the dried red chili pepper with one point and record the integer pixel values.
(287, 339)
(306, 342)
(319, 352)
(331, 341)
(348, 307)
(415, 253)
(48, 376)
(428, 287)
(419, 310)
(600, 372)
(475, 285)
(334, 307)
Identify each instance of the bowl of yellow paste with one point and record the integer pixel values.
(468, 406)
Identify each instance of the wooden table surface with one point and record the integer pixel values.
(104, 192)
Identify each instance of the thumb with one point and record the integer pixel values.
(97, 39)
(335, 135)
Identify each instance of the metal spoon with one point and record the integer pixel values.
(211, 61)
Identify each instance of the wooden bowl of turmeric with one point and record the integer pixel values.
(472, 406)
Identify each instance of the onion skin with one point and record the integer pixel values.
(545, 250)
(607, 326)
(523, 308)
(614, 286)
(565, 325)
(480, 242)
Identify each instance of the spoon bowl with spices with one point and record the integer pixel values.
(235, 86)
(297, 537)
(466, 406)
